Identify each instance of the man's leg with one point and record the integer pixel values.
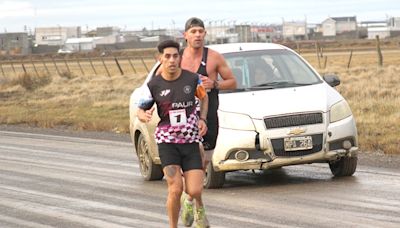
(207, 154)
(194, 187)
(210, 139)
(194, 184)
(173, 176)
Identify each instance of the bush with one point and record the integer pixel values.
(67, 75)
(32, 82)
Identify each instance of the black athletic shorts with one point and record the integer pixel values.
(187, 156)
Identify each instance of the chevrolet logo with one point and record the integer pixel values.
(297, 131)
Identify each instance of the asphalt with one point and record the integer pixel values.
(366, 158)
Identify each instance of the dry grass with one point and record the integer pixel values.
(82, 103)
(31, 81)
(101, 102)
(374, 95)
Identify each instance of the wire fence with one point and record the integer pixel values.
(109, 66)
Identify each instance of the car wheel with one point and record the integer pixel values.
(148, 169)
(345, 166)
(212, 178)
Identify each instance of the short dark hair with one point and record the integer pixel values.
(166, 44)
(193, 22)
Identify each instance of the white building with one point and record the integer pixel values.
(334, 26)
(80, 44)
(394, 23)
(382, 32)
(55, 36)
(294, 30)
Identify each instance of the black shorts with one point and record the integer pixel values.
(187, 156)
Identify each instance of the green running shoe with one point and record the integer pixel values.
(187, 211)
(201, 218)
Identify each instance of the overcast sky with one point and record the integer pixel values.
(154, 14)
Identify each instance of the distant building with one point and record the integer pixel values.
(217, 33)
(107, 31)
(294, 30)
(244, 32)
(394, 23)
(55, 36)
(383, 29)
(155, 39)
(80, 44)
(375, 28)
(144, 32)
(336, 27)
(314, 31)
(263, 33)
(14, 44)
(382, 32)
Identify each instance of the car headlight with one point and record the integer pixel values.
(340, 111)
(235, 121)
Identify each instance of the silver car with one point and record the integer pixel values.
(282, 113)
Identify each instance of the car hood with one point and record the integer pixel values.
(261, 103)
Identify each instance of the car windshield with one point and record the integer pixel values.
(269, 69)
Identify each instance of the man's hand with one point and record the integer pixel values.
(145, 115)
(207, 82)
(202, 127)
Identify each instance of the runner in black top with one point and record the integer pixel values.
(210, 138)
(210, 64)
(176, 107)
(179, 131)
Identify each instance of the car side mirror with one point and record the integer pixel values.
(332, 80)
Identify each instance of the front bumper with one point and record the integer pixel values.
(275, 162)
(261, 151)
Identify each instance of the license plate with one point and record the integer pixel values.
(298, 143)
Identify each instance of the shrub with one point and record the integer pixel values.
(32, 82)
(67, 75)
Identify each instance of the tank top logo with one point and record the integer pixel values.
(187, 89)
(164, 92)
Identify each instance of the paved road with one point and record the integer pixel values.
(60, 181)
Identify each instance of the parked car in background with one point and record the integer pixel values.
(282, 113)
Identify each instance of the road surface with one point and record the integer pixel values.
(49, 180)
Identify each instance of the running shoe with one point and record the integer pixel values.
(187, 211)
(201, 218)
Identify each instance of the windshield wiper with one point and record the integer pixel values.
(234, 90)
(275, 84)
(279, 84)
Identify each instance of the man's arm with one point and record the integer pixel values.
(203, 115)
(229, 80)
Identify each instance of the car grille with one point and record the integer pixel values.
(279, 149)
(293, 120)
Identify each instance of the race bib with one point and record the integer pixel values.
(177, 117)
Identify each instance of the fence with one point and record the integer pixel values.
(78, 66)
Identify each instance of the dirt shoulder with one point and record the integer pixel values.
(375, 159)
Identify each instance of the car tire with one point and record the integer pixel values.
(213, 179)
(345, 166)
(148, 169)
